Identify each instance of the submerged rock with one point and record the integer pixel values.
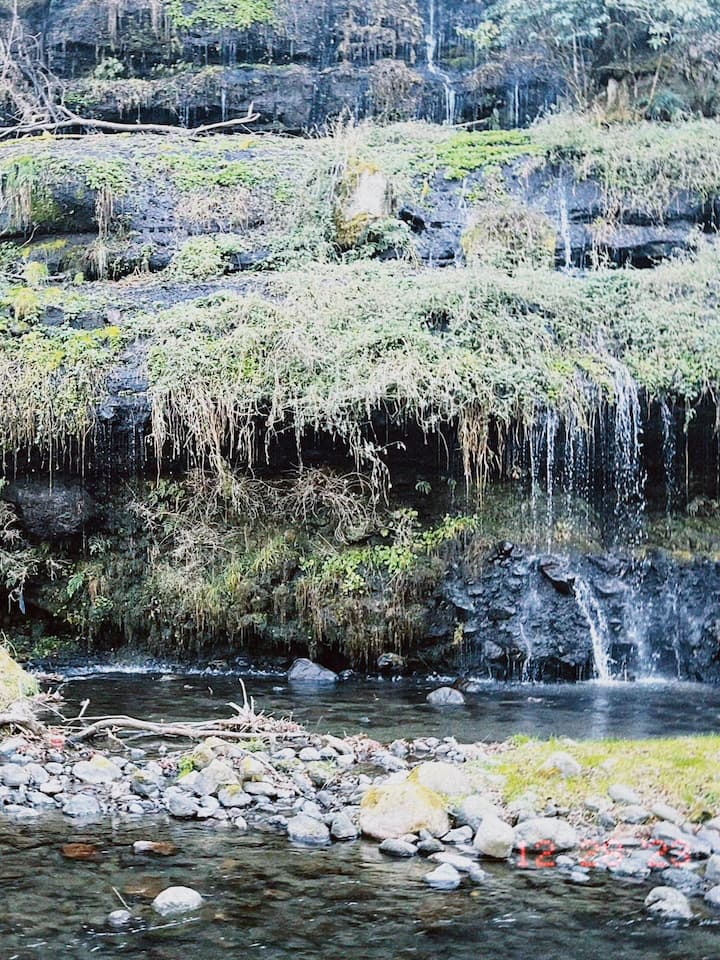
(444, 877)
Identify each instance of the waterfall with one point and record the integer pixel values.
(628, 477)
(431, 45)
(597, 625)
(669, 452)
(564, 223)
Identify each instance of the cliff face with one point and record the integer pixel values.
(301, 64)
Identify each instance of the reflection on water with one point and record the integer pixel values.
(268, 899)
(386, 710)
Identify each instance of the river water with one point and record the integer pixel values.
(266, 898)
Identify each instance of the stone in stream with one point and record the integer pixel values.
(543, 833)
(52, 786)
(305, 671)
(494, 838)
(398, 848)
(119, 918)
(342, 827)
(461, 864)
(393, 809)
(82, 805)
(682, 879)
(445, 697)
(213, 776)
(430, 846)
(459, 835)
(97, 770)
(38, 773)
(145, 783)
(304, 829)
(252, 769)
(471, 810)
(180, 803)
(669, 903)
(713, 896)
(176, 900)
(444, 877)
(443, 778)
(160, 848)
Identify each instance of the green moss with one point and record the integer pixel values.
(220, 14)
(15, 683)
(683, 771)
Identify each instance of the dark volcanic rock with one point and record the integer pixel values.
(51, 510)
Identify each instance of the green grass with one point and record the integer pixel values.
(681, 771)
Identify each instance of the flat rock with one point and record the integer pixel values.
(669, 903)
(633, 814)
(13, 775)
(684, 880)
(233, 796)
(176, 900)
(663, 811)
(494, 838)
(342, 828)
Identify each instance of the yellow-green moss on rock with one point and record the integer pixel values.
(15, 683)
(397, 808)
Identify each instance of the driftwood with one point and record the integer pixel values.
(227, 729)
(24, 722)
(72, 120)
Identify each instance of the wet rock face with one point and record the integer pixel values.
(656, 620)
(50, 511)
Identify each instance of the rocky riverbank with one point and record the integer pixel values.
(566, 806)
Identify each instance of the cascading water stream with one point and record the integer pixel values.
(628, 478)
(431, 45)
(598, 627)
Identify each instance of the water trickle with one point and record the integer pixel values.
(628, 477)
(667, 420)
(597, 625)
(564, 224)
(431, 46)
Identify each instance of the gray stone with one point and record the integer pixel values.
(597, 804)
(304, 829)
(305, 671)
(261, 789)
(538, 832)
(663, 811)
(97, 770)
(682, 879)
(461, 864)
(430, 846)
(620, 793)
(308, 754)
(18, 812)
(669, 903)
(216, 774)
(233, 796)
(494, 838)
(38, 773)
(240, 823)
(342, 827)
(565, 764)
(119, 918)
(179, 803)
(711, 838)
(713, 896)
(176, 900)
(52, 786)
(82, 805)
(145, 784)
(459, 835)
(633, 814)
(208, 807)
(445, 697)
(447, 779)
(712, 869)
(471, 810)
(13, 775)
(38, 799)
(398, 848)
(444, 877)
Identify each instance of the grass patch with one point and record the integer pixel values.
(681, 771)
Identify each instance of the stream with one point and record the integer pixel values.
(268, 898)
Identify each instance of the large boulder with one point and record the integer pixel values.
(445, 697)
(305, 671)
(395, 809)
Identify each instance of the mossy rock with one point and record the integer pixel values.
(15, 683)
(446, 779)
(398, 808)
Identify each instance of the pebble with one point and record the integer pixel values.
(119, 918)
